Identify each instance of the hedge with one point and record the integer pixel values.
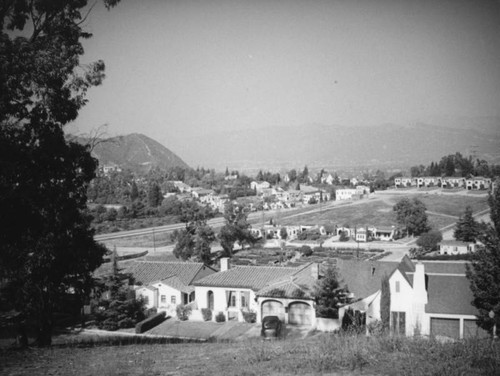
(150, 322)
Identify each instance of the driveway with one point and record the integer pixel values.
(204, 330)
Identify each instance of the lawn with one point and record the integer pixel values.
(345, 354)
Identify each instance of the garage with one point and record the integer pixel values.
(445, 327)
(471, 330)
(300, 313)
(273, 308)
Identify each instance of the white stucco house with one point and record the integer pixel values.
(165, 285)
(281, 291)
(427, 298)
(345, 194)
(456, 247)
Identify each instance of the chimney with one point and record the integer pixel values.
(315, 271)
(224, 264)
(419, 290)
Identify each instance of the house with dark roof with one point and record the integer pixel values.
(429, 298)
(266, 290)
(456, 247)
(165, 285)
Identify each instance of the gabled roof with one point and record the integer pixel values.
(249, 277)
(177, 284)
(146, 272)
(445, 267)
(455, 242)
(364, 278)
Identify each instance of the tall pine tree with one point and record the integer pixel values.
(466, 229)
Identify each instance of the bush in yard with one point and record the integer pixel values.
(315, 236)
(220, 317)
(150, 322)
(249, 316)
(306, 250)
(183, 312)
(207, 314)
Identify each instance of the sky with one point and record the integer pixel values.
(179, 68)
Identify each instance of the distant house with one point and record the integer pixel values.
(383, 233)
(429, 298)
(278, 291)
(203, 195)
(181, 186)
(259, 186)
(478, 183)
(428, 181)
(455, 247)
(361, 234)
(404, 182)
(452, 182)
(308, 192)
(345, 194)
(164, 285)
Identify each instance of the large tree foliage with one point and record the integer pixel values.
(429, 241)
(236, 229)
(466, 229)
(411, 215)
(46, 245)
(484, 270)
(329, 294)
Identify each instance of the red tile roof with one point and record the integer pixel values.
(250, 277)
(147, 272)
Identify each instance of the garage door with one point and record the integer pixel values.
(471, 330)
(300, 314)
(445, 327)
(273, 308)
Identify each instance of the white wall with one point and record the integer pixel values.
(220, 303)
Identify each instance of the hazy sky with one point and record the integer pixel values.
(178, 67)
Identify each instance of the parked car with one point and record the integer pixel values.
(272, 327)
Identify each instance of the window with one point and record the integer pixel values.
(163, 298)
(172, 299)
(146, 299)
(231, 298)
(244, 302)
(398, 323)
(397, 286)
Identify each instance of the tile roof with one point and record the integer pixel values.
(154, 271)
(250, 277)
(455, 242)
(449, 294)
(300, 285)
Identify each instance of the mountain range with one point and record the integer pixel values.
(319, 146)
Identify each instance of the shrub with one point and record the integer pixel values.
(183, 312)
(207, 314)
(150, 322)
(249, 316)
(315, 236)
(220, 317)
(302, 236)
(306, 250)
(318, 249)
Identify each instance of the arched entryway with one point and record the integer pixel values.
(210, 300)
(300, 313)
(273, 308)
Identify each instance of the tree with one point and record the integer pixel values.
(429, 241)
(466, 229)
(117, 307)
(484, 270)
(134, 192)
(283, 233)
(193, 242)
(329, 294)
(155, 196)
(236, 229)
(411, 215)
(46, 244)
(385, 303)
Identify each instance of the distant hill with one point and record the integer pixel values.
(320, 145)
(136, 152)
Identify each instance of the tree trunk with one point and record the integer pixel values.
(44, 334)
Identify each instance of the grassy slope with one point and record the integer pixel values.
(323, 353)
(379, 213)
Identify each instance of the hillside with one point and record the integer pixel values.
(323, 146)
(136, 152)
